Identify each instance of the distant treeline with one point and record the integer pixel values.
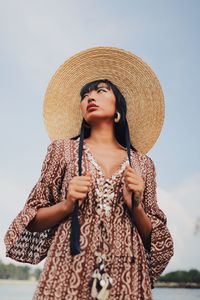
(11, 271)
(191, 276)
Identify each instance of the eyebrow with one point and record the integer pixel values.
(99, 86)
(103, 85)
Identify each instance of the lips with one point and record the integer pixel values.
(91, 105)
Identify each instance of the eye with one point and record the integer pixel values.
(82, 98)
(101, 89)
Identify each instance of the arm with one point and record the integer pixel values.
(48, 217)
(135, 184)
(161, 249)
(150, 220)
(143, 224)
(31, 247)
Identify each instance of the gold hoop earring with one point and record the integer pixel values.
(117, 117)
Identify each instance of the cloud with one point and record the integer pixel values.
(12, 199)
(46, 35)
(181, 205)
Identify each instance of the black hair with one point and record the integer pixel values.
(121, 107)
(122, 135)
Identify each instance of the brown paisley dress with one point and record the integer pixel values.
(132, 268)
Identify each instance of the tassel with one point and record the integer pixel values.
(105, 283)
(101, 281)
(75, 226)
(97, 277)
(74, 238)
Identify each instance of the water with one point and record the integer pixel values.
(176, 294)
(21, 291)
(17, 291)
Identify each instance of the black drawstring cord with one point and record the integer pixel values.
(128, 144)
(75, 226)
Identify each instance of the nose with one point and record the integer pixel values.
(91, 97)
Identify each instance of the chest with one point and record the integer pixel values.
(108, 162)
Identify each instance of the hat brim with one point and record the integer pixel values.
(135, 79)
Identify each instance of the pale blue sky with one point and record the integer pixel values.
(38, 36)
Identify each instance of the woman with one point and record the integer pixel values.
(93, 211)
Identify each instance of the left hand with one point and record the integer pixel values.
(133, 183)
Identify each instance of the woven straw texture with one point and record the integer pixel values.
(135, 79)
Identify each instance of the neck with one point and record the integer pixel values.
(102, 134)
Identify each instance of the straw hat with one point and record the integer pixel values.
(135, 79)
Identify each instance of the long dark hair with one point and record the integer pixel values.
(122, 135)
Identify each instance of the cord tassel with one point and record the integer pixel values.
(75, 232)
(75, 225)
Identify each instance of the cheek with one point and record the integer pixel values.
(112, 104)
(108, 106)
(83, 107)
(113, 108)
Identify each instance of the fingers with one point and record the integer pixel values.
(79, 182)
(84, 180)
(134, 187)
(86, 176)
(129, 170)
(79, 187)
(78, 195)
(131, 176)
(132, 180)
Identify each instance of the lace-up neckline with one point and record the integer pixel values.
(116, 173)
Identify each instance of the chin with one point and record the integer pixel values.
(94, 116)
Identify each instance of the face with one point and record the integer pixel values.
(99, 104)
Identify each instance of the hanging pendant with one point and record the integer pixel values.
(101, 281)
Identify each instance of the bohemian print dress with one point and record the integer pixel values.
(113, 263)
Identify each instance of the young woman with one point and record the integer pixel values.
(93, 211)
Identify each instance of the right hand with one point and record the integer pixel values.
(77, 190)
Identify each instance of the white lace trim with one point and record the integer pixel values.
(115, 174)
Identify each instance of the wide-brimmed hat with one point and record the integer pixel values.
(134, 78)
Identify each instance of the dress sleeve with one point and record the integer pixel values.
(161, 249)
(31, 247)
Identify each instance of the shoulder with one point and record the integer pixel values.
(145, 162)
(56, 145)
(61, 143)
(61, 147)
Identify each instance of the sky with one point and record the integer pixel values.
(38, 36)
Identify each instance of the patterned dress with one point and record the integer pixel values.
(133, 269)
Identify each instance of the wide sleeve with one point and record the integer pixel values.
(161, 249)
(31, 247)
